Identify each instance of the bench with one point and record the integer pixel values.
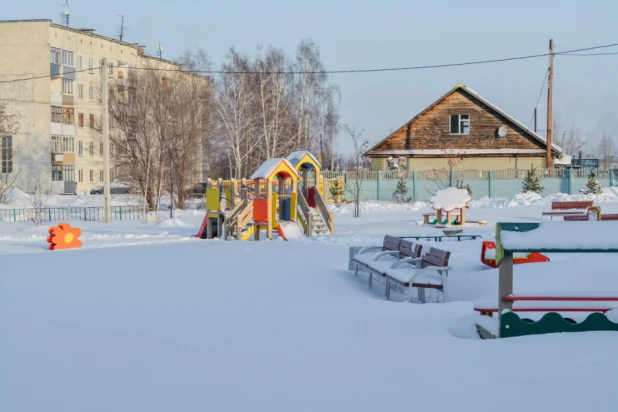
(439, 216)
(608, 216)
(438, 238)
(408, 252)
(513, 238)
(568, 208)
(361, 256)
(588, 302)
(427, 272)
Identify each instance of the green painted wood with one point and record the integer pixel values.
(512, 325)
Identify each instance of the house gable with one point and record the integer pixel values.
(429, 133)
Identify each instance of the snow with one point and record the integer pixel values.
(295, 157)
(563, 235)
(146, 318)
(450, 198)
(269, 166)
(291, 230)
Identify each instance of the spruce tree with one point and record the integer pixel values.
(336, 191)
(401, 192)
(593, 186)
(532, 183)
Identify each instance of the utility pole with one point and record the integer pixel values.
(121, 27)
(550, 89)
(105, 120)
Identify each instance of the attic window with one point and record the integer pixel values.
(460, 124)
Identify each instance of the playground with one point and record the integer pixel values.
(147, 317)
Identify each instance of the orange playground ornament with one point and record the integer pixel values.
(64, 237)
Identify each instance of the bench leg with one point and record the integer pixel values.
(387, 289)
(421, 295)
(370, 279)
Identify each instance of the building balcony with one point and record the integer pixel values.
(55, 70)
(57, 157)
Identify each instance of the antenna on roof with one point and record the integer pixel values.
(64, 17)
(121, 34)
(160, 50)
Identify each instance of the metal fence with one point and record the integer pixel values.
(67, 214)
(443, 174)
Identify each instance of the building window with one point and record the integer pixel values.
(100, 175)
(57, 173)
(6, 154)
(111, 69)
(91, 148)
(100, 148)
(80, 119)
(91, 120)
(63, 144)
(68, 58)
(56, 114)
(91, 92)
(91, 66)
(91, 176)
(80, 147)
(55, 55)
(100, 66)
(68, 115)
(460, 124)
(80, 175)
(80, 91)
(80, 63)
(67, 86)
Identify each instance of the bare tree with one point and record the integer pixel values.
(355, 185)
(606, 150)
(568, 138)
(9, 123)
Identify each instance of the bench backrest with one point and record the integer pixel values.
(410, 249)
(571, 205)
(435, 257)
(391, 243)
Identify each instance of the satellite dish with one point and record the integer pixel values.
(502, 131)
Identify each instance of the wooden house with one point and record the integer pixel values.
(466, 131)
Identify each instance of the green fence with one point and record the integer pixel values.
(67, 214)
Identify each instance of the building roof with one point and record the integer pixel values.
(273, 167)
(296, 157)
(88, 32)
(480, 98)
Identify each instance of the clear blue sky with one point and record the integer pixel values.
(392, 33)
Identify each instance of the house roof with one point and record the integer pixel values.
(480, 98)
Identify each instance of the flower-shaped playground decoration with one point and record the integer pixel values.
(64, 237)
(450, 199)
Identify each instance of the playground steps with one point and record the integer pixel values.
(319, 226)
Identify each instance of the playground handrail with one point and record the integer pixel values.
(326, 215)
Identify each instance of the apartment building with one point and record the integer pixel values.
(52, 76)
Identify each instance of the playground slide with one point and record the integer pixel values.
(488, 253)
(289, 230)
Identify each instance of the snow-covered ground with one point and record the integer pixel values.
(146, 318)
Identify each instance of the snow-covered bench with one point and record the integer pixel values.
(574, 208)
(549, 237)
(408, 252)
(361, 256)
(427, 272)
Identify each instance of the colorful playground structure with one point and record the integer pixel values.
(277, 199)
(488, 256)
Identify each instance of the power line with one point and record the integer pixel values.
(590, 54)
(39, 77)
(410, 68)
(539, 98)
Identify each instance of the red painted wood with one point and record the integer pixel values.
(547, 309)
(565, 298)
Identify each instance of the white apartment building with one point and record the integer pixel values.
(51, 75)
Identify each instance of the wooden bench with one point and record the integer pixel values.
(512, 238)
(608, 216)
(408, 252)
(427, 272)
(360, 257)
(589, 302)
(438, 238)
(568, 208)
